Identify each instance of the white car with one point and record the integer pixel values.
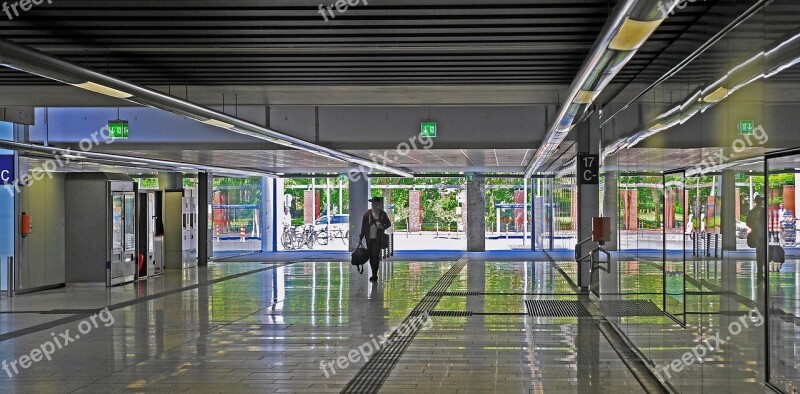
(338, 222)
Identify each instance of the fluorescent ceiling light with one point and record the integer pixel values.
(218, 123)
(584, 97)
(717, 95)
(632, 34)
(97, 88)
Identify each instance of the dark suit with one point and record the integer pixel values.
(374, 245)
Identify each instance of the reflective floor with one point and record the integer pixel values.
(445, 326)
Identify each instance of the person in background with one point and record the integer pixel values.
(756, 238)
(373, 226)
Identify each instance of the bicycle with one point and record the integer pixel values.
(337, 233)
(294, 238)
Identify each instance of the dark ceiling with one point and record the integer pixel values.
(260, 42)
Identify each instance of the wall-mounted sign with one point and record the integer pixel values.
(429, 130)
(7, 173)
(588, 169)
(747, 127)
(118, 129)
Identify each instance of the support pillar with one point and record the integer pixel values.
(728, 214)
(611, 201)
(205, 231)
(476, 214)
(170, 180)
(359, 204)
(267, 215)
(588, 192)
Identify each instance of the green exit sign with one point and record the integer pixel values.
(118, 129)
(429, 129)
(747, 127)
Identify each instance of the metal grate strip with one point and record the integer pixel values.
(457, 294)
(556, 308)
(628, 308)
(70, 312)
(450, 313)
(374, 372)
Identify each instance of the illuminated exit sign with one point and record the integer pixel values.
(429, 129)
(118, 129)
(747, 127)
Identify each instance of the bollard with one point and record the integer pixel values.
(10, 282)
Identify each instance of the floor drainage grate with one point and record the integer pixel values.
(457, 294)
(555, 308)
(374, 372)
(450, 313)
(624, 308)
(70, 312)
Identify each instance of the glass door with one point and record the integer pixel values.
(130, 226)
(117, 224)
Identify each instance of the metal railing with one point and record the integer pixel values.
(10, 278)
(704, 244)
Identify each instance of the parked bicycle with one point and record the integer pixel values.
(336, 233)
(294, 238)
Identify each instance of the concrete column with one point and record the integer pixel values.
(476, 214)
(728, 214)
(796, 195)
(170, 180)
(587, 195)
(359, 203)
(267, 214)
(611, 201)
(415, 211)
(205, 224)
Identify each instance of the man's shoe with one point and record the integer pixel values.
(373, 279)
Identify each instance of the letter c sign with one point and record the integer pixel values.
(7, 170)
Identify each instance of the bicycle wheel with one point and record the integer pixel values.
(287, 241)
(322, 238)
(311, 239)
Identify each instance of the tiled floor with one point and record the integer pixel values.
(269, 328)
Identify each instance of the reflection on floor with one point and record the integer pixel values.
(253, 327)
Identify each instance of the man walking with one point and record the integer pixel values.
(373, 228)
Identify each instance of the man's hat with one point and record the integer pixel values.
(757, 196)
(376, 199)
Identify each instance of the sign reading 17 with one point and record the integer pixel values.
(588, 169)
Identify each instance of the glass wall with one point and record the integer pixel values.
(783, 279)
(7, 216)
(237, 215)
(690, 156)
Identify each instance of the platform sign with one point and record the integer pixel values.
(429, 129)
(118, 129)
(588, 169)
(747, 127)
(7, 173)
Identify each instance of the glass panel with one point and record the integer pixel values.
(116, 223)
(130, 222)
(151, 209)
(784, 281)
(7, 214)
(675, 239)
(237, 216)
